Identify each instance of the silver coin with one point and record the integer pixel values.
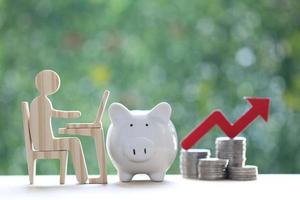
(189, 161)
(213, 161)
(229, 162)
(232, 149)
(226, 139)
(212, 168)
(248, 172)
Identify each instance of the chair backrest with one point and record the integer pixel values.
(26, 116)
(102, 106)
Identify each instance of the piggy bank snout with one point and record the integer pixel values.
(139, 149)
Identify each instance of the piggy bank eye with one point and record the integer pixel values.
(146, 124)
(131, 125)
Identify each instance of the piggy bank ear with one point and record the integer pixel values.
(161, 111)
(117, 112)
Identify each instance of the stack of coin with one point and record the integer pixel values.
(235, 151)
(229, 162)
(189, 161)
(212, 168)
(245, 173)
(232, 149)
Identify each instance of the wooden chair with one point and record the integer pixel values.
(32, 154)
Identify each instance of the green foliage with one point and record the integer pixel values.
(197, 55)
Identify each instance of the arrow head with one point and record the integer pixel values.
(260, 105)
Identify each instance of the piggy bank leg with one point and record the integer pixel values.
(124, 176)
(157, 176)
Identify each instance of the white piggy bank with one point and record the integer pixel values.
(141, 141)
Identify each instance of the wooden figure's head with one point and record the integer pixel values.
(47, 82)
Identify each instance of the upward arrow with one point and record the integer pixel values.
(260, 107)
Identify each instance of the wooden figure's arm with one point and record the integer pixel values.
(65, 114)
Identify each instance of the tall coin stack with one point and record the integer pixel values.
(232, 149)
(189, 161)
(235, 151)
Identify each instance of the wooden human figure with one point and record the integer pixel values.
(41, 111)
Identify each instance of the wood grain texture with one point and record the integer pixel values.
(98, 135)
(40, 123)
(79, 131)
(32, 155)
(98, 120)
(82, 125)
(96, 131)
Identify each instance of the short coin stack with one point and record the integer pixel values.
(245, 173)
(212, 168)
(189, 161)
(235, 151)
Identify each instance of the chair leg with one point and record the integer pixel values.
(63, 166)
(31, 164)
(100, 147)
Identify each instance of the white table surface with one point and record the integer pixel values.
(282, 187)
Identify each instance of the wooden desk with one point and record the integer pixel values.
(173, 188)
(98, 135)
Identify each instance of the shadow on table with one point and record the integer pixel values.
(142, 180)
(142, 183)
(139, 181)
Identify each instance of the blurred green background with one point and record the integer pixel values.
(197, 55)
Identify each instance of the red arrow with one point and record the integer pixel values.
(260, 107)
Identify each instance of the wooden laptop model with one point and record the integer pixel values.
(97, 122)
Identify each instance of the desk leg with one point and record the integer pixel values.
(100, 150)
